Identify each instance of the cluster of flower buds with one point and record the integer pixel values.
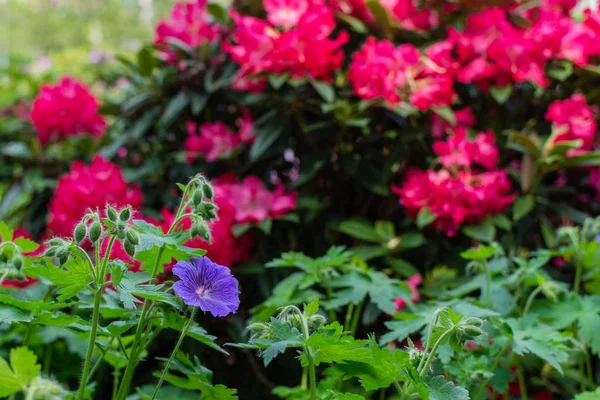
(260, 330)
(11, 261)
(122, 229)
(203, 206)
(89, 227)
(58, 248)
(290, 315)
(469, 328)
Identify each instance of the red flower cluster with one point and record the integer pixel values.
(66, 109)
(458, 195)
(395, 74)
(190, 23)
(302, 47)
(251, 200)
(492, 50)
(404, 13)
(573, 119)
(215, 140)
(87, 187)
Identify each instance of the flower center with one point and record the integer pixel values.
(201, 291)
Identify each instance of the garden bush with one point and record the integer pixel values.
(309, 199)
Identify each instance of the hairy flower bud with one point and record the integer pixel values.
(208, 191)
(132, 237)
(125, 214)
(203, 231)
(197, 197)
(80, 232)
(472, 331)
(95, 231)
(129, 248)
(17, 261)
(111, 213)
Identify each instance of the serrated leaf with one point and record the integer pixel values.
(439, 389)
(311, 308)
(26, 245)
(10, 314)
(401, 329)
(24, 365)
(6, 234)
(72, 278)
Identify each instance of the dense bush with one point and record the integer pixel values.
(403, 191)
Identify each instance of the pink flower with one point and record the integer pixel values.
(252, 201)
(66, 109)
(573, 119)
(455, 200)
(189, 22)
(285, 13)
(464, 119)
(459, 150)
(214, 141)
(245, 125)
(413, 282)
(87, 187)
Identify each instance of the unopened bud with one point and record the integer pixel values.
(208, 191)
(95, 231)
(472, 331)
(203, 231)
(111, 213)
(17, 261)
(197, 197)
(125, 214)
(129, 248)
(132, 237)
(80, 232)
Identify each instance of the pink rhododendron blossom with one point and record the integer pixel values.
(22, 233)
(413, 282)
(285, 13)
(459, 150)
(87, 187)
(252, 201)
(455, 199)
(303, 48)
(464, 119)
(190, 23)
(215, 140)
(573, 119)
(66, 109)
(395, 74)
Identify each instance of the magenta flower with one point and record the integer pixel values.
(208, 285)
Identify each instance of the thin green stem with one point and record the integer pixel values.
(173, 354)
(91, 344)
(355, 317)
(312, 376)
(588, 365)
(28, 334)
(86, 256)
(578, 272)
(116, 376)
(96, 365)
(433, 350)
(492, 369)
(398, 388)
(332, 316)
(488, 284)
(348, 318)
(530, 299)
(522, 384)
(4, 275)
(304, 379)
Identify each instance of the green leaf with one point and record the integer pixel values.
(173, 109)
(9, 382)
(355, 23)
(177, 322)
(265, 138)
(484, 232)
(501, 94)
(333, 345)
(527, 143)
(145, 62)
(265, 226)
(218, 12)
(560, 70)
(411, 240)
(382, 19)
(75, 276)
(439, 389)
(324, 89)
(10, 314)
(199, 101)
(360, 229)
(480, 252)
(386, 231)
(6, 234)
(29, 304)
(425, 217)
(134, 285)
(404, 326)
(502, 222)
(589, 395)
(311, 308)
(446, 113)
(522, 206)
(26, 245)
(22, 371)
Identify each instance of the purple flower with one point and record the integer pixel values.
(207, 285)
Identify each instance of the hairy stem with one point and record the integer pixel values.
(530, 299)
(433, 350)
(91, 344)
(173, 354)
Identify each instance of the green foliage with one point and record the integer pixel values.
(23, 369)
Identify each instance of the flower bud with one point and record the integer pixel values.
(95, 231)
(56, 242)
(210, 214)
(203, 231)
(197, 197)
(208, 191)
(125, 214)
(62, 252)
(63, 258)
(17, 261)
(111, 213)
(129, 248)
(80, 232)
(50, 252)
(132, 237)
(472, 331)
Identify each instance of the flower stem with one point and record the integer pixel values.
(530, 299)
(91, 344)
(175, 350)
(522, 384)
(355, 317)
(433, 350)
(309, 356)
(578, 271)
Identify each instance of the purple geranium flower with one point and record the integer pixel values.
(207, 285)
